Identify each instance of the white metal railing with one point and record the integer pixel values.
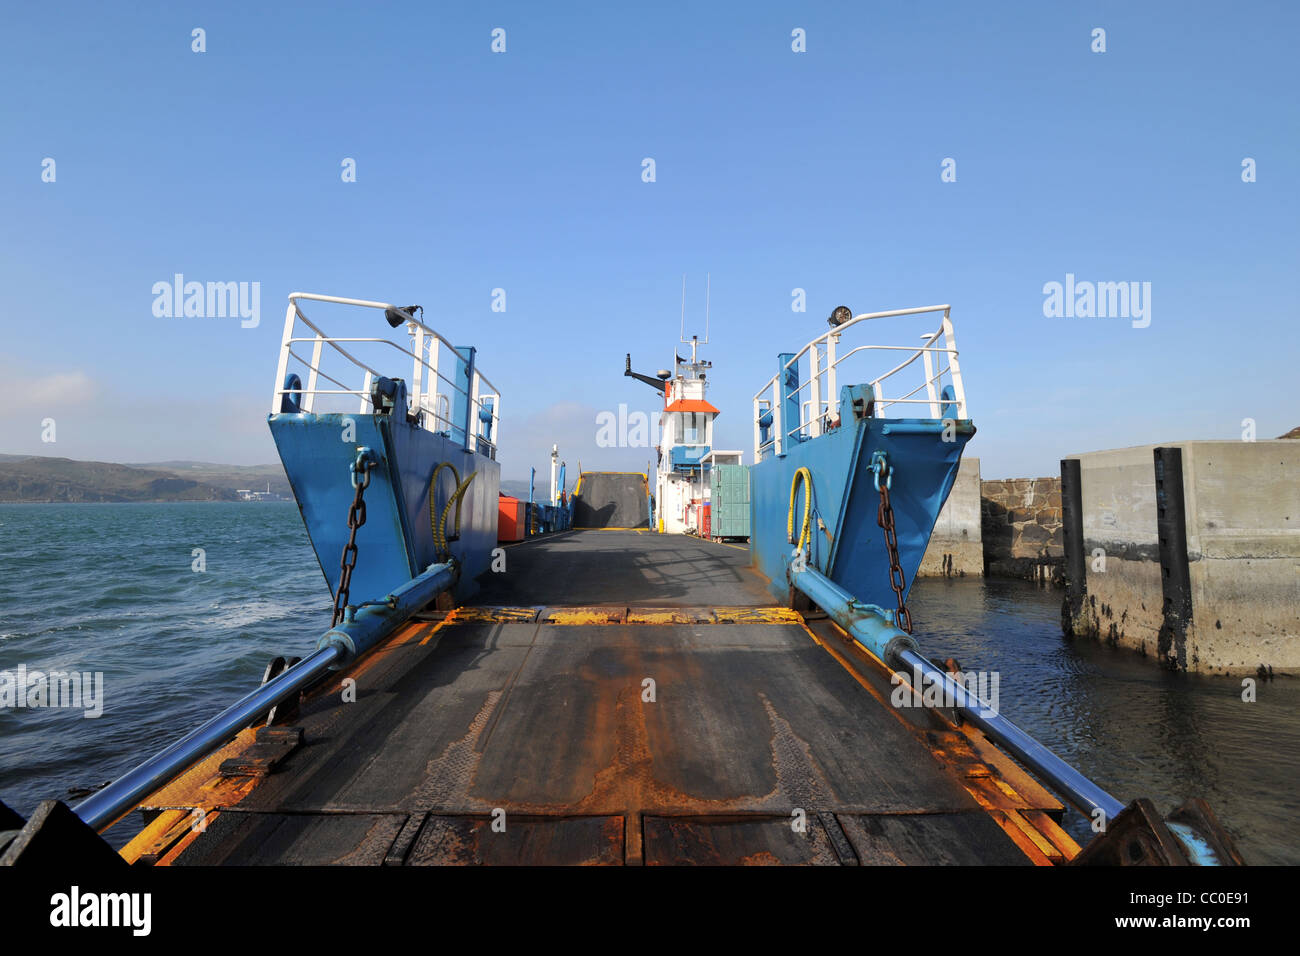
(432, 393)
(820, 368)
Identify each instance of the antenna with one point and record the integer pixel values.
(683, 335)
(708, 288)
(708, 292)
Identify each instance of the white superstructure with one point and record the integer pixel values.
(685, 444)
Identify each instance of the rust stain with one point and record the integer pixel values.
(626, 784)
(1004, 791)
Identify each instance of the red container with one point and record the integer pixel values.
(510, 518)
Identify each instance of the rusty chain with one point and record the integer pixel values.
(356, 518)
(885, 518)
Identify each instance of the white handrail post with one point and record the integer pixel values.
(778, 427)
(950, 343)
(832, 392)
(432, 391)
(814, 391)
(417, 374)
(758, 432)
(930, 391)
(308, 402)
(282, 368)
(475, 423)
(365, 393)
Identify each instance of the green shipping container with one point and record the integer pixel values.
(729, 488)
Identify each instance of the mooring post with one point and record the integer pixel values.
(1076, 580)
(1175, 578)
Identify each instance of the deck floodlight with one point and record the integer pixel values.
(396, 318)
(841, 315)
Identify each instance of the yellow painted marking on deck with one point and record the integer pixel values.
(644, 616)
(671, 615)
(756, 615)
(493, 615)
(652, 617)
(585, 616)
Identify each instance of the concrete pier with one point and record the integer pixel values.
(956, 548)
(1188, 552)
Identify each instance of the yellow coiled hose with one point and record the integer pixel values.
(805, 534)
(438, 522)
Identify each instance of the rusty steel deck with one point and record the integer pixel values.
(664, 714)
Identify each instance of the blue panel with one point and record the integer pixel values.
(845, 499)
(687, 457)
(418, 453)
(316, 461)
(396, 542)
(830, 459)
(924, 469)
(460, 395)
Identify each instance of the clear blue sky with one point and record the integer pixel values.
(775, 170)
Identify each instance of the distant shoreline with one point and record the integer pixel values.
(38, 479)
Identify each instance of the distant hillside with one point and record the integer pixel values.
(1293, 433)
(34, 478)
(229, 477)
(62, 479)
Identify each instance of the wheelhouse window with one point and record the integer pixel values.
(691, 427)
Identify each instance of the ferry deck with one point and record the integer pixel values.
(621, 698)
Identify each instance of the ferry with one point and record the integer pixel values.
(622, 688)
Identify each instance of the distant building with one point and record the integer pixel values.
(247, 494)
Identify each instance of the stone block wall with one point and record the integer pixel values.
(1021, 528)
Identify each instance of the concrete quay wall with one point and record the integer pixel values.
(956, 548)
(1188, 552)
